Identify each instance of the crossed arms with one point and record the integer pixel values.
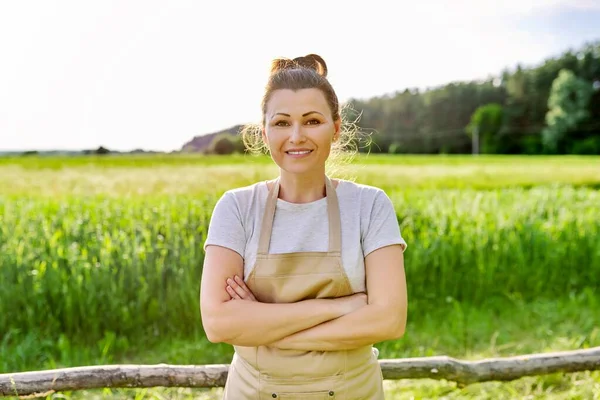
(231, 314)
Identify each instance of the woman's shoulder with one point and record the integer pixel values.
(358, 190)
(243, 198)
(246, 191)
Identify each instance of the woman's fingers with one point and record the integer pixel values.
(237, 289)
(233, 293)
(242, 284)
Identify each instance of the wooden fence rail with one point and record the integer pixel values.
(42, 383)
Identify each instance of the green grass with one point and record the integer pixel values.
(100, 261)
(142, 176)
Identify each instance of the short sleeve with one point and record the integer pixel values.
(226, 226)
(382, 227)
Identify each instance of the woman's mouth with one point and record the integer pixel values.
(298, 153)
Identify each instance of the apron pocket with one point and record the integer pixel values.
(306, 395)
(279, 388)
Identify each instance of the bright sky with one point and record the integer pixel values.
(152, 74)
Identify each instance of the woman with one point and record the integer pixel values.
(303, 274)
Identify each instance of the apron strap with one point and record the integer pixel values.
(333, 212)
(267, 221)
(335, 224)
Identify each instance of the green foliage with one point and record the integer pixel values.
(96, 266)
(395, 148)
(568, 107)
(434, 120)
(589, 146)
(102, 150)
(226, 144)
(486, 121)
(426, 122)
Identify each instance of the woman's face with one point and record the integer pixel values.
(299, 130)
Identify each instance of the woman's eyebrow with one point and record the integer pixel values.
(304, 115)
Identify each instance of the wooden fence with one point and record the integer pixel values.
(42, 383)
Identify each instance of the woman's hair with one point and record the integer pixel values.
(307, 72)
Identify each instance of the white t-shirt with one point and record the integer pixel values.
(367, 216)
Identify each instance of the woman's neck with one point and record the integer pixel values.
(305, 188)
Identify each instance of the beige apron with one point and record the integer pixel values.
(265, 372)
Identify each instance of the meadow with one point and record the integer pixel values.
(101, 257)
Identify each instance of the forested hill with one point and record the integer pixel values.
(553, 107)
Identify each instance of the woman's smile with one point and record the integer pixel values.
(299, 153)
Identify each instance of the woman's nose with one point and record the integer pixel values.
(297, 135)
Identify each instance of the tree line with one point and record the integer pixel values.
(553, 108)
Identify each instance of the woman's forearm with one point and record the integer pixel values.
(251, 323)
(368, 325)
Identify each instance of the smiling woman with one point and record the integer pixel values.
(303, 273)
(299, 142)
(308, 84)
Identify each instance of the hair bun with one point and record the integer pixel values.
(313, 61)
(310, 61)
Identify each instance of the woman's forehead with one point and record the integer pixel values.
(297, 101)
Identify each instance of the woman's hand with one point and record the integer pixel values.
(237, 289)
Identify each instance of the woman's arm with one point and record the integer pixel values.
(251, 323)
(383, 318)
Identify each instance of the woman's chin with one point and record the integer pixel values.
(296, 169)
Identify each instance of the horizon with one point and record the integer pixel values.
(142, 75)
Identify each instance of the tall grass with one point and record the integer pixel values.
(85, 267)
(132, 266)
(474, 245)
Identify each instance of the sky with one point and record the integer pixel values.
(153, 74)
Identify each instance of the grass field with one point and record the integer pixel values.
(97, 253)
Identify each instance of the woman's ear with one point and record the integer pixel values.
(263, 133)
(336, 134)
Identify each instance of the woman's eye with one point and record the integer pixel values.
(281, 123)
(314, 122)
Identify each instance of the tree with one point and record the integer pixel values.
(567, 108)
(226, 143)
(486, 122)
(102, 150)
